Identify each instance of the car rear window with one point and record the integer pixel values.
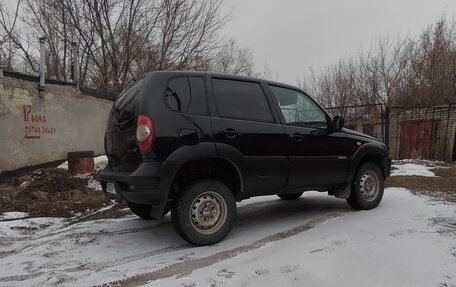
(186, 94)
(241, 100)
(126, 101)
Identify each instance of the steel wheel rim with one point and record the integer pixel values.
(208, 213)
(369, 186)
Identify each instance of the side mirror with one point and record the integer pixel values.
(338, 123)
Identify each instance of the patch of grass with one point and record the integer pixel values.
(443, 184)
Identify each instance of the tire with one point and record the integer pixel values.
(141, 210)
(204, 213)
(367, 188)
(290, 196)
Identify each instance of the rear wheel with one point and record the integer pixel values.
(290, 196)
(204, 213)
(367, 188)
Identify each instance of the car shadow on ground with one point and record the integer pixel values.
(267, 213)
(282, 212)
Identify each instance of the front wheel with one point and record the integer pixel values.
(367, 188)
(204, 213)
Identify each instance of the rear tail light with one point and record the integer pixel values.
(144, 133)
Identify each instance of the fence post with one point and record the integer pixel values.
(41, 86)
(387, 127)
(75, 65)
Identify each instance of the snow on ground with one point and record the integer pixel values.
(10, 231)
(100, 162)
(13, 215)
(426, 162)
(318, 240)
(397, 244)
(412, 169)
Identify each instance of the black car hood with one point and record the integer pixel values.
(355, 133)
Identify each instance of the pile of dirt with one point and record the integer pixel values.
(50, 181)
(444, 184)
(50, 192)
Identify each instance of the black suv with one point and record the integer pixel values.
(194, 143)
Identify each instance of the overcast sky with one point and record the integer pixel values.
(290, 36)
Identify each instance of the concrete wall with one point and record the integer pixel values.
(35, 130)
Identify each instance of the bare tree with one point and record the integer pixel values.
(12, 39)
(49, 19)
(232, 59)
(405, 72)
(335, 86)
(432, 77)
(188, 31)
(381, 71)
(310, 84)
(266, 73)
(117, 39)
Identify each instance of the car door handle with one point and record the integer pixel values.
(231, 133)
(297, 137)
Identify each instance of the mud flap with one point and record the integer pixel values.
(341, 193)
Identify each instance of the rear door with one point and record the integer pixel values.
(246, 132)
(120, 139)
(188, 127)
(317, 159)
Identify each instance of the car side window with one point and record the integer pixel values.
(298, 109)
(186, 94)
(241, 100)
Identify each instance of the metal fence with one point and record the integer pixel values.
(418, 133)
(368, 119)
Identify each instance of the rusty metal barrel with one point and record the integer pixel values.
(81, 162)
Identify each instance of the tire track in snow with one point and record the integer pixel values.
(116, 232)
(77, 235)
(193, 264)
(20, 277)
(106, 264)
(100, 266)
(127, 259)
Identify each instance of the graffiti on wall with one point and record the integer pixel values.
(35, 124)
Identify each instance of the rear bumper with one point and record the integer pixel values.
(148, 184)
